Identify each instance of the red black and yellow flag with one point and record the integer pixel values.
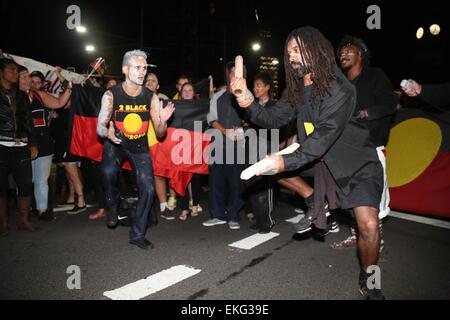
(418, 162)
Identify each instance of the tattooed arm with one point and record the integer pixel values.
(104, 118)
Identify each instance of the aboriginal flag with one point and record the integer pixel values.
(85, 107)
(184, 150)
(418, 162)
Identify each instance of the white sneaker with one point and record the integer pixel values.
(234, 225)
(213, 222)
(299, 211)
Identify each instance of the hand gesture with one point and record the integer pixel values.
(112, 134)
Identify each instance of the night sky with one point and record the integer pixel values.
(190, 37)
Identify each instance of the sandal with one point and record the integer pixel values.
(349, 243)
(195, 211)
(184, 215)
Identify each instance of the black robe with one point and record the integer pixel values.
(338, 138)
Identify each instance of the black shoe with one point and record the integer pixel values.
(141, 244)
(266, 229)
(77, 210)
(112, 218)
(150, 244)
(369, 294)
(254, 226)
(46, 216)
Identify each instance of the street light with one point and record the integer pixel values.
(435, 29)
(90, 48)
(275, 62)
(419, 33)
(81, 29)
(256, 47)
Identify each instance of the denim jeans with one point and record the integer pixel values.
(41, 172)
(113, 156)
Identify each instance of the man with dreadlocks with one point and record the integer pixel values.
(347, 171)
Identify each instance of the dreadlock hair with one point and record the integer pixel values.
(317, 54)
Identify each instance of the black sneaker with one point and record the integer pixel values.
(167, 214)
(46, 216)
(77, 210)
(304, 225)
(112, 218)
(143, 244)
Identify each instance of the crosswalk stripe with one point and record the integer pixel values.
(253, 241)
(419, 219)
(154, 283)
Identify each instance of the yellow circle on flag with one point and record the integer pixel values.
(132, 123)
(412, 147)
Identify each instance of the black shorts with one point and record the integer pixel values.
(66, 157)
(367, 193)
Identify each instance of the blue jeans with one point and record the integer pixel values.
(41, 172)
(113, 156)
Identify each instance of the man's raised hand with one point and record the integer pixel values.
(238, 84)
(112, 134)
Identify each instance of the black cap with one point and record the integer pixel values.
(38, 74)
(357, 42)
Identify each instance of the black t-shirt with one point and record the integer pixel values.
(131, 116)
(40, 117)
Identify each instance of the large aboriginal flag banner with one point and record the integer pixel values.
(178, 156)
(184, 150)
(418, 162)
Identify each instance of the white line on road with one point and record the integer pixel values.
(67, 208)
(419, 219)
(253, 241)
(154, 283)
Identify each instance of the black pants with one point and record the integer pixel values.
(260, 192)
(16, 160)
(183, 202)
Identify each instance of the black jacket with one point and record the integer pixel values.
(375, 94)
(338, 137)
(15, 116)
(437, 95)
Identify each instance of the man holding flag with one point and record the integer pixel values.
(127, 111)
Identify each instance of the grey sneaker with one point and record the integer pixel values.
(304, 225)
(234, 225)
(213, 222)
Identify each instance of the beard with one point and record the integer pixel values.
(301, 71)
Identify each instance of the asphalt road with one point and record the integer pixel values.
(34, 265)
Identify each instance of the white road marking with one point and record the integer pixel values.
(154, 283)
(68, 207)
(254, 241)
(419, 219)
